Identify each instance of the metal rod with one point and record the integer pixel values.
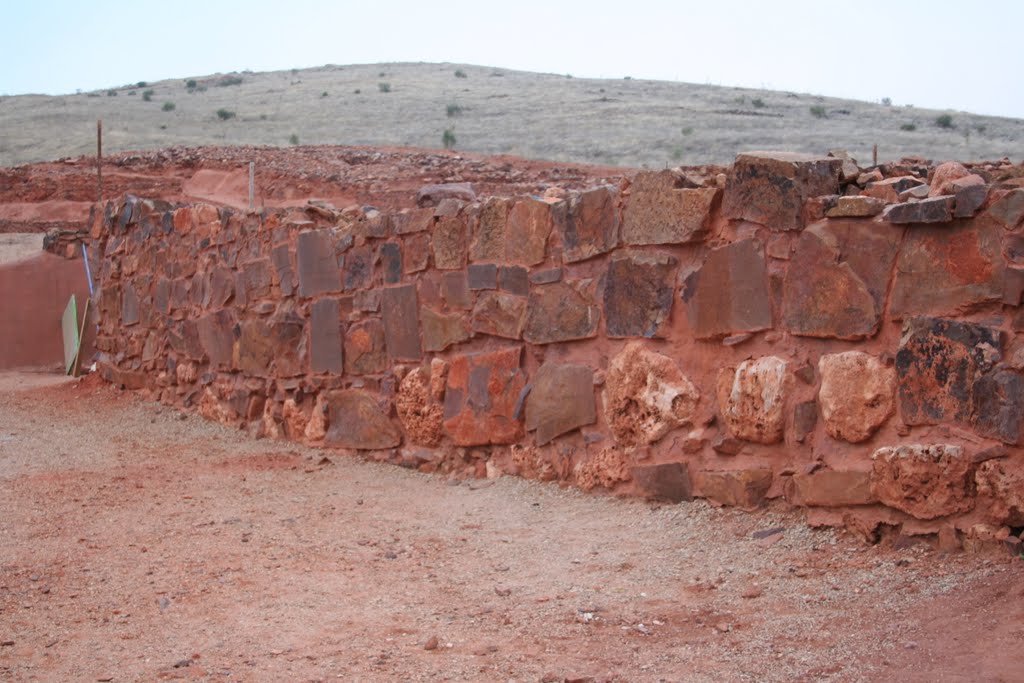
(99, 161)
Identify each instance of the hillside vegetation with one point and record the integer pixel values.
(624, 122)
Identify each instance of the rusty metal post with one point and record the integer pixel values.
(99, 161)
(874, 155)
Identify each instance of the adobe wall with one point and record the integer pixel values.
(799, 329)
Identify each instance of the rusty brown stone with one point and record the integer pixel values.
(527, 231)
(318, 265)
(830, 488)
(947, 270)
(668, 481)
(365, 352)
(1008, 210)
(442, 330)
(357, 421)
(400, 312)
(646, 396)
(925, 481)
(481, 395)
(857, 206)
(998, 406)
(728, 294)
(752, 399)
(391, 262)
(357, 272)
(274, 347)
(216, 335)
(325, 346)
(416, 256)
(499, 314)
(561, 400)
(770, 188)
(638, 294)
(744, 488)
(448, 243)
(409, 221)
(593, 225)
(934, 210)
(824, 297)
(661, 210)
(489, 230)
(857, 395)
(558, 312)
(257, 278)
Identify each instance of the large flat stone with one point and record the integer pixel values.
(317, 263)
(836, 282)
(1008, 210)
(1000, 485)
(593, 225)
(948, 270)
(257, 277)
(939, 363)
(830, 488)
(561, 400)
(752, 399)
(728, 294)
(489, 230)
(420, 413)
(744, 488)
(275, 347)
(481, 395)
(357, 272)
(558, 312)
(448, 243)
(365, 352)
(662, 211)
(526, 236)
(770, 188)
(400, 312)
(999, 406)
(217, 337)
(925, 481)
(325, 346)
(499, 314)
(442, 330)
(638, 294)
(357, 421)
(646, 396)
(934, 210)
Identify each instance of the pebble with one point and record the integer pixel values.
(431, 643)
(752, 591)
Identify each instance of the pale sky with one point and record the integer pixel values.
(943, 54)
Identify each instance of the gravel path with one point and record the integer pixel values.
(138, 544)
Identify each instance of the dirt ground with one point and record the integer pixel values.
(138, 544)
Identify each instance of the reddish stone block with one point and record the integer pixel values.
(890, 189)
(662, 211)
(281, 256)
(729, 293)
(668, 481)
(638, 294)
(449, 243)
(857, 395)
(221, 288)
(318, 265)
(830, 488)
(481, 396)
(558, 312)
(593, 224)
(561, 400)
(527, 231)
(357, 421)
(925, 481)
(357, 272)
(857, 206)
(391, 262)
(217, 337)
(257, 277)
(325, 346)
(482, 276)
(129, 305)
(364, 348)
(441, 331)
(1008, 209)
(943, 271)
(837, 280)
(412, 220)
(489, 230)
(417, 253)
(752, 399)
(400, 311)
(499, 314)
(770, 188)
(514, 280)
(455, 290)
(739, 488)
(999, 406)
(272, 348)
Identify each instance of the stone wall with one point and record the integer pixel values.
(844, 339)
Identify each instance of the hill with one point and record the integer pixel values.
(626, 122)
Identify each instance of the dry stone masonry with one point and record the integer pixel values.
(846, 340)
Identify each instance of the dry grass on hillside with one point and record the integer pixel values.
(616, 122)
